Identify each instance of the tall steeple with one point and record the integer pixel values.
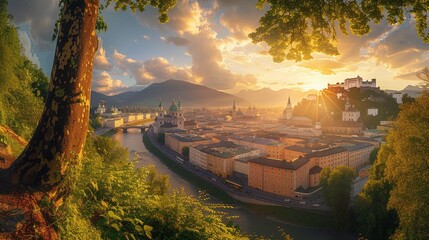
(179, 105)
(233, 106)
(287, 113)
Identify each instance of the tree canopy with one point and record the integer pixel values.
(408, 170)
(337, 189)
(295, 29)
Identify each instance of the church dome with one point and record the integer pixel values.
(173, 107)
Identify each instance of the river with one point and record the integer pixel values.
(248, 221)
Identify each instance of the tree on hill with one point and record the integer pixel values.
(295, 29)
(407, 169)
(57, 143)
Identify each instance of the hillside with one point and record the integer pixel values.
(412, 91)
(267, 97)
(191, 95)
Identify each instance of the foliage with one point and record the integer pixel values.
(112, 199)
(161, 138)
(373, 155)
(374, 220)
(185, 152)
(20, 81)
(337, 188)
(407, 169)
(295, 29)
(95, 121)
(163, 7)
(424, 76)
(407, 99)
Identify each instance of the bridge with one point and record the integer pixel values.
(125, 128)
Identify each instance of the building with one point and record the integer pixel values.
(359, 155)
(372, 111)
(398, 97)
(262, 144)
(341, 128)
(356, 82)
(177, 141)
(219, 157)
(287, 113)
(275, 150)
(280, 177)
(113, 122)
(129, 118)
(350, 113)
(293, 152)
(174, 118)
(101, 108)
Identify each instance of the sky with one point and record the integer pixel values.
(205, 42)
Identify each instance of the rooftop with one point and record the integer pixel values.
(188, 137)
(271, 162)
(327, 152)
(224, 149)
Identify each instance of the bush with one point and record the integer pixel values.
(112, 199)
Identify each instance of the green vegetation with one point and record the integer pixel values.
(328, 106)
(185, 174)
(185, 152)
(337, 189)
(22, 84)
(295, 29)
(161, 138)
(110, 198)
(393, 202)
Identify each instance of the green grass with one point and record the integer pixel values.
(185, 174)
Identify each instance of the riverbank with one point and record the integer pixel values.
(291, 216)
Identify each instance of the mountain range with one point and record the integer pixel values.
(191, 95)
(194, 95)
(412, 91)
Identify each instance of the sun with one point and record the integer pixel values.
(314, 85)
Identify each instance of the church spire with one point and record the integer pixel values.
(288, 102)
(233, 105)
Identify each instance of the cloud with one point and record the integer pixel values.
(104, 83)
(101, 62)
(40, 17)
(401, 50)
(191, 27)
(239, 17)
(178, 41)
(150, 71)
(26, 44)
(325, 67)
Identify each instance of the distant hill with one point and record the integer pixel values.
(412, 91)
(267, 97)
(191, 95)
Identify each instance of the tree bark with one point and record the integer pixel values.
(59, 138)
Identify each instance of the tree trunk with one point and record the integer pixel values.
(58, 141)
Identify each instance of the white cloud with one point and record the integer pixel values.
(101, 62)
(26, 44)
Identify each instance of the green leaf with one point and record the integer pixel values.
(113, 215)
(116, 226)
(94, 185)
(147, 231)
